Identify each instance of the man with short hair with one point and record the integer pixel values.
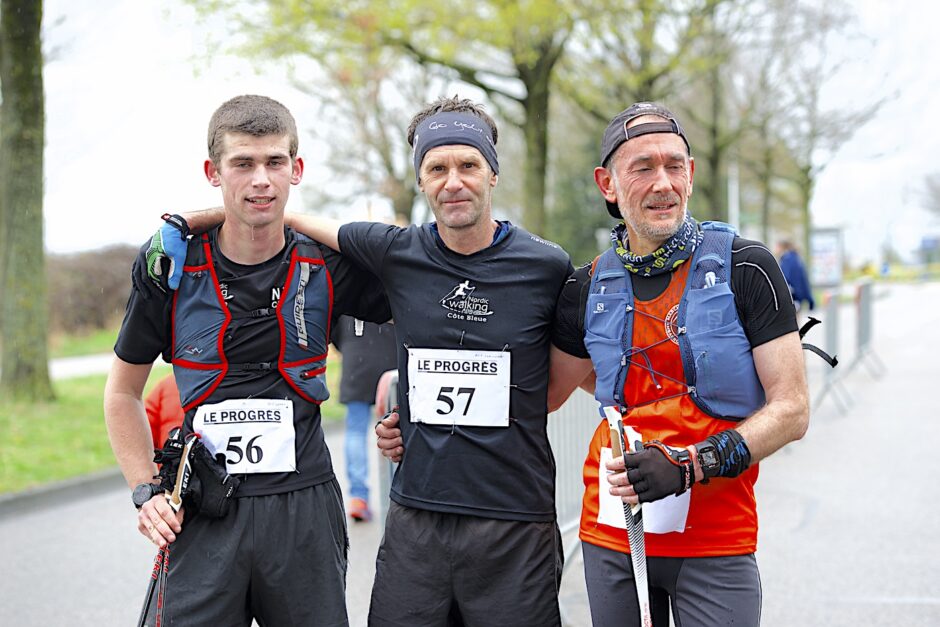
(471, 535)
(472, 299)
(247, 331)
(694, 344)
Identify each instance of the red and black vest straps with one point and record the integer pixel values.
(201, 317)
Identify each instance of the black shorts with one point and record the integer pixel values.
(437, 569)
(279, 559)
(702, 591)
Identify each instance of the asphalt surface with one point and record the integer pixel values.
(848, 515)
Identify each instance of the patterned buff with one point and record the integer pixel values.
(673, 253)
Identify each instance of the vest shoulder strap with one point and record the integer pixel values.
(306, 247)
(608, 269)
(196, 251)
(712, 260)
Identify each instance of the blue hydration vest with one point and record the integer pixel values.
(200, 318)
(716, 355)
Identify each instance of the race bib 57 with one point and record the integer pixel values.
(459, 387)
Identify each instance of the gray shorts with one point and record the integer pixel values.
(278, 559)
(437, 569)
(701, 591)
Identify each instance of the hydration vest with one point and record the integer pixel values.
(201, 317)
(716, 355)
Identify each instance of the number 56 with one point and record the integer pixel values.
(252, 452)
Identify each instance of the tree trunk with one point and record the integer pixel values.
(403, 201)
(807, 182)
(535, 130)
(23, 312)
(765, 180)
(715, 157)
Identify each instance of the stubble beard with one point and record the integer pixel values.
(661, 230)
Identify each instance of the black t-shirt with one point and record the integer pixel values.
(762, 298)
(146, 333)
(499, 298)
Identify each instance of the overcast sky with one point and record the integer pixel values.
(128, 97)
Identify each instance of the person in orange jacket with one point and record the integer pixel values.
(164, 410)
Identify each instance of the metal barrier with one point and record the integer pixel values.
(569, 431)
(864, 344)
(831, 383)
(864, 299)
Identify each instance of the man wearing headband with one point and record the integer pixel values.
(471, 534)
(693, 339)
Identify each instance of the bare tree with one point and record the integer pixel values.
(811, 132)
(507, 50)
(371, 97)
(671, 52)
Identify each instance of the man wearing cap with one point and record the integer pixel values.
(694, 344)
(471, 535)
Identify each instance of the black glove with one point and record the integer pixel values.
(211, 488)
(658, 471)
(169, 459)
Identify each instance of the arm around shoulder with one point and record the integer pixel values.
(323, 230)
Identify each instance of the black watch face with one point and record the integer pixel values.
(143, 493)
(708, 458)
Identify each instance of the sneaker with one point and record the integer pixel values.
(359, 510)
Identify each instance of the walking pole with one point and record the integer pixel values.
(161, 565)
(633, 515)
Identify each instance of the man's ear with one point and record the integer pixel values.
(494, 179)
(605, 183)
(297, 171)
(212, 173)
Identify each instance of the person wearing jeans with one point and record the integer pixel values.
(368, 350)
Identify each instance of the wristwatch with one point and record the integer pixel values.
(144, 492)
(708, 459)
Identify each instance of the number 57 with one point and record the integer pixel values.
(444, 397)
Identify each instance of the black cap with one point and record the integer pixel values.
(617, 133)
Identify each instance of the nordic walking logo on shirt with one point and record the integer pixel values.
(461, 304)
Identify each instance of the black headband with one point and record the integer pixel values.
(449, 128)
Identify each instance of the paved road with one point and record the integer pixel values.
(76, 558)
(848, 532)
(848, 515)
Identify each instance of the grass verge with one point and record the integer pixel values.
(91, 343)
(45, 442)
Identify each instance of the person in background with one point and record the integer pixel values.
(164, 410)
(368, 351)
(795, 273)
